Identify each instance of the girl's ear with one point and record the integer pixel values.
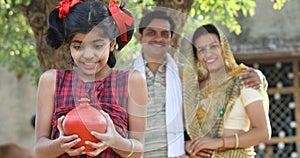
(112, 45)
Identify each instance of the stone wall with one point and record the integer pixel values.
(268, 29)
(17, 106)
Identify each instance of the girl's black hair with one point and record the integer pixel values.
(202, 30)
(82, 18)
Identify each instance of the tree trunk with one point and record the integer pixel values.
(38, 10)
(37, 13)
(179, 16)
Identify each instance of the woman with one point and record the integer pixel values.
(223, 118)
(92, 31)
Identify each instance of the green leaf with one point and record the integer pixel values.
(278, 4)
(192, 12)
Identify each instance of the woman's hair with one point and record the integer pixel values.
(205, 29)
(82, 18)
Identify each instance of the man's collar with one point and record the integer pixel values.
(162, 65)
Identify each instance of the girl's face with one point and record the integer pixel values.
(209, 52)
(90, 52)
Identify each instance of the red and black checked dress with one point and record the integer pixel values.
(112, 91)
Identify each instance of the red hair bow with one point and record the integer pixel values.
(120, 18)
(65, 6)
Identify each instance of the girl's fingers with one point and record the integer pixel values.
(69, 142)
(59, 125)
(106, 115)
(99, 147)
(74, 152)
(96, 145)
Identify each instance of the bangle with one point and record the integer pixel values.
(236, 140)
(223, 142)
(132, 147)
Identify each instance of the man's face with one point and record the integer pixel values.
(156, 38)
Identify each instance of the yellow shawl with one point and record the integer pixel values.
(203, 115)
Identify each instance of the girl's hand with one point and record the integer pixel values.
(99, 147)
(67, 142)
(251, 79)
(106, 139)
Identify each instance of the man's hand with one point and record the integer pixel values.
(251, 79)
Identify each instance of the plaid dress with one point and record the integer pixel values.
(109, 94)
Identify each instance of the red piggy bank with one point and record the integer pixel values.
(82, 120)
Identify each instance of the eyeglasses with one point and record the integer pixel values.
(213, 48)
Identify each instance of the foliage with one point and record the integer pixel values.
(17, 49)
(278, 4)
(226, 12)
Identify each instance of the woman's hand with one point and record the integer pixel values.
(106, 139)
(199, 154)
(67, 142)
(203, 146)
(251, 79)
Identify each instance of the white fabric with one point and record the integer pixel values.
(174, 114)
(238, 117)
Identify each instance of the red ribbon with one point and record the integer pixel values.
(121, 19)
(65, 6)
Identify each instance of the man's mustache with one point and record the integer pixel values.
(159, 43)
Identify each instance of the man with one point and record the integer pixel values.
(164, 133)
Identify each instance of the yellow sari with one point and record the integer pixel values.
(206, 109)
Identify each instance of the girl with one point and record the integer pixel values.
(93, 32)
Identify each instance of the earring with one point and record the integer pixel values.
(227, 63)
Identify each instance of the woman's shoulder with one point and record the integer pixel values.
(247, 90)
(249, 95)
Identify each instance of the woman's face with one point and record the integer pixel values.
(90, 52)
(209, 52)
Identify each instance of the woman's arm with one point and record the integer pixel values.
(260, 128)
(44, 146)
